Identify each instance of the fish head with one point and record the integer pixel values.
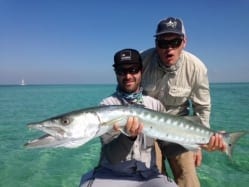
(69, 130)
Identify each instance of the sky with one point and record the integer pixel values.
(73, 41)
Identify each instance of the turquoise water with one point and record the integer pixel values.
(20, 105)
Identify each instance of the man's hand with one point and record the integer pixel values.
(133, 127)
(216, 142)
(198, 158)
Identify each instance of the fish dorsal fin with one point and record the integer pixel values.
(194, 119)
(134, 105)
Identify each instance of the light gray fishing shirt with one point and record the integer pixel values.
(176, 85)
(123, 155)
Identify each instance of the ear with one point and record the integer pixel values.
(184, 42)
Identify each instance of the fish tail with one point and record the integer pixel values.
(231, 139)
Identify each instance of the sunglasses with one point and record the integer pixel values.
(165, 44)
(125, 71)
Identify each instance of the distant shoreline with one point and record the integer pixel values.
(66, 84)
(100, 84)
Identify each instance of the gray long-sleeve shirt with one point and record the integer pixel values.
(185, 81)
(121, 154)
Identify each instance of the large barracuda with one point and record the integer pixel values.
(75, 128)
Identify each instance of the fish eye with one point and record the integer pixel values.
(65, 121)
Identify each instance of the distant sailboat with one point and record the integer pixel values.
(23, 82)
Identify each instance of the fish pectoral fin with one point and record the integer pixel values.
(123, 132)
(121, 122)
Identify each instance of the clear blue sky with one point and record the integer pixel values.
(73, 41)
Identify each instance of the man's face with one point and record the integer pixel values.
(169, 48)
(129, 77)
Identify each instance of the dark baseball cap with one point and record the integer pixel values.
(170, 25)
(127, 57)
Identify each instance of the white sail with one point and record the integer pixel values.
(22, 82)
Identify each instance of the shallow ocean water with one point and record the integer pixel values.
(20, 105)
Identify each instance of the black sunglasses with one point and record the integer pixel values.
(165, 44)
(125, 71)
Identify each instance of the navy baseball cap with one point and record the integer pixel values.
(170, 25)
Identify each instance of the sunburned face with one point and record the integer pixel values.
(129, 78)
(169, 48)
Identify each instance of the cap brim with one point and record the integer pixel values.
(168, 32)
(128, 63)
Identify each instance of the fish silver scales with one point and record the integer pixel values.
(75, 128)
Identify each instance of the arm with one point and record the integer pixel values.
(115, 149)
(200, 96)
(116, 146)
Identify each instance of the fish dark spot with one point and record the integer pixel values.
(230, 145)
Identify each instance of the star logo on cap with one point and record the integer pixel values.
(171, 24)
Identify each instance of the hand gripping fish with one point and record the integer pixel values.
(75, 128)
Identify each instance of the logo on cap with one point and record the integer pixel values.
(126, 55)
(171, 24)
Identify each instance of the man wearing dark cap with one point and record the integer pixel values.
(128, 161)
(179, 80)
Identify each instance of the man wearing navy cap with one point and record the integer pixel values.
(179, 80)
(128, 161)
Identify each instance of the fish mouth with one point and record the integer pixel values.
(54, 137)
(53, 130)
(44, 141)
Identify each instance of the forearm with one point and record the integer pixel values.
(201, 100)
(170, 149)
(203, 112)
(117, 148)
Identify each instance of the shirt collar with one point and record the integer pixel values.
(170, 69)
